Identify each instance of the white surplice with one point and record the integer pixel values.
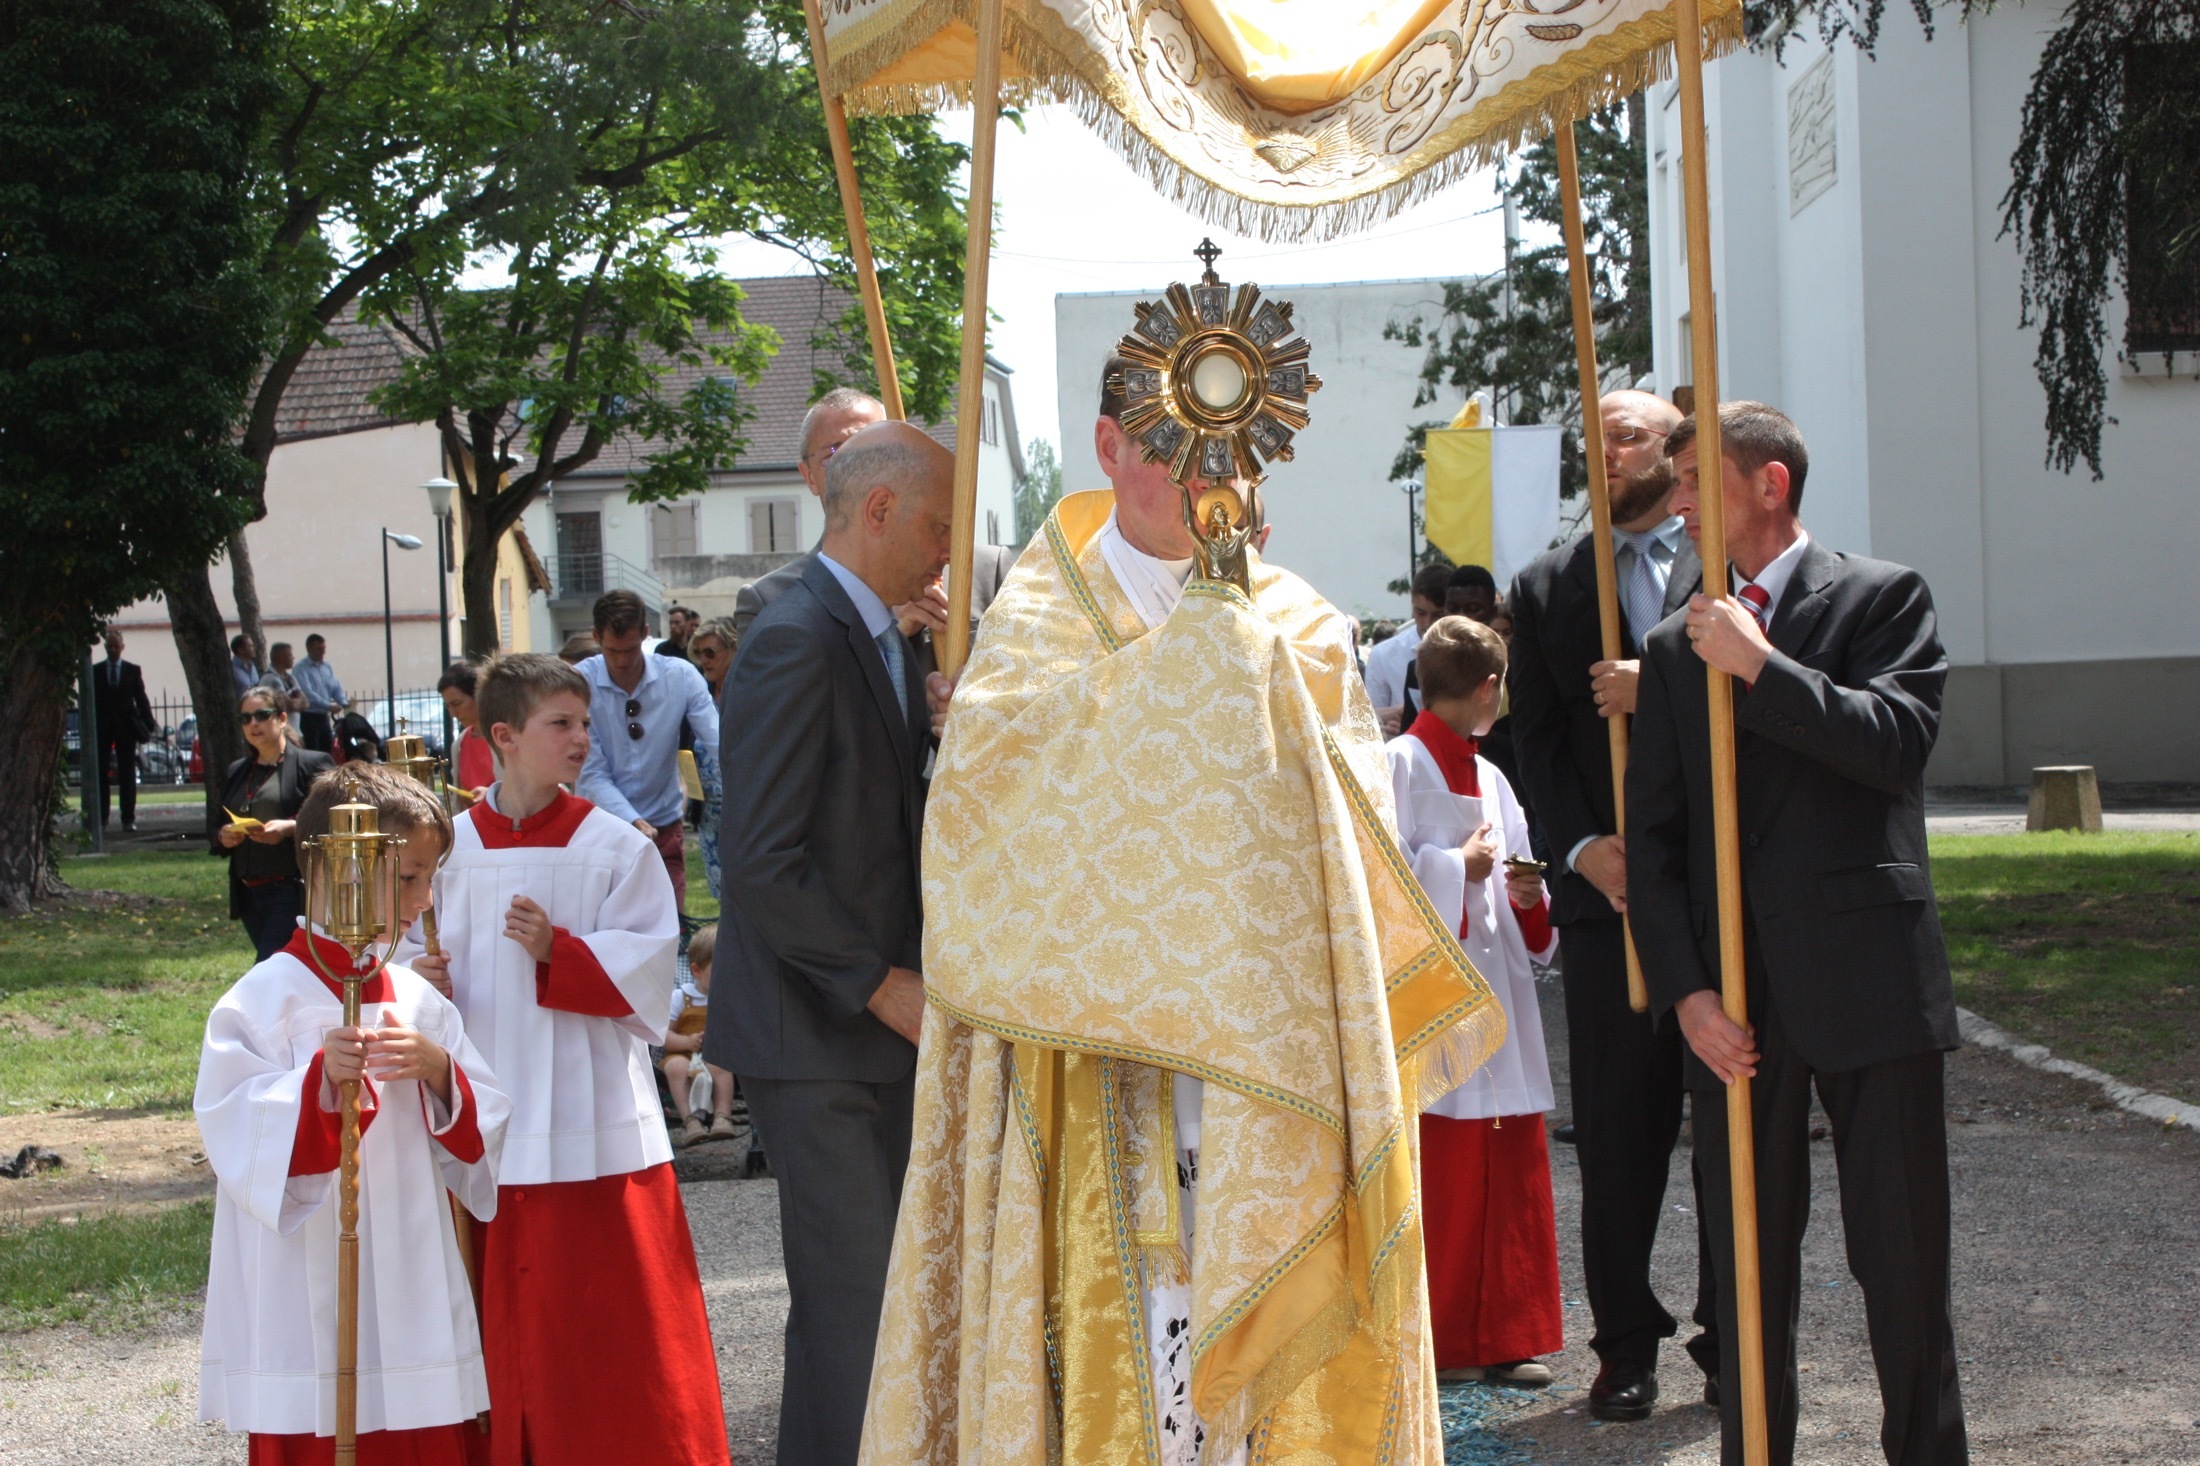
(267, 1357)
(584, 1098)
(1433, 823)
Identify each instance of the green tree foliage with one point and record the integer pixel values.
(2108, 163)
(131, 323)
(1526, 356)
(1042, 488)
(579, 160)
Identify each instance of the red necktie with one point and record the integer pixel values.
(1760, 604)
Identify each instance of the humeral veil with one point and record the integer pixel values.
(1153, 852)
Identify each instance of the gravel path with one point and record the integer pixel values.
(2077, 1311)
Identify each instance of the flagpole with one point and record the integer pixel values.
(1749, 1343)
(985, 100)
(1600, 505)
(859, 232)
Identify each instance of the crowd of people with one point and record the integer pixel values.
(804, 738)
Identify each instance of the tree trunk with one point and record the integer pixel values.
(202, 644)
(247, 591)
(477, 580)
(33, 720)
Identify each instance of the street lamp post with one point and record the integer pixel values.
(439, 504)
(389, 641)
(1412, 486)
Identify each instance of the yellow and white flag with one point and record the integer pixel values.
(1493, 495)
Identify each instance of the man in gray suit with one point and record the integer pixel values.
(831, 421)
(820, 1000)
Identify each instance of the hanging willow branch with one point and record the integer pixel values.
(2112, 122)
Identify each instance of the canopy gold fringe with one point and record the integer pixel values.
(1049, 62)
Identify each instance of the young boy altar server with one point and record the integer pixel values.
(1491, 1235)
(431, 1119)
(560, 934)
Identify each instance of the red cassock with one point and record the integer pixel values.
(594, 1334)
(1492, 1241)
(438, 1445)
(1488, 1228)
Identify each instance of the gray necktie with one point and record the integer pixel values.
(895, 650)
(1643, 592)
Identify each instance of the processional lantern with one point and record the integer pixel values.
(351, 896)
(1214, 384)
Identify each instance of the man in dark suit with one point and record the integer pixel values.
(1838, 676)
(125, 719)
(1626, 1074)
(819, 999)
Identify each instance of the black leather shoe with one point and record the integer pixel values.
(1711, 1390)
(1564, 1134)
(1623, 1392)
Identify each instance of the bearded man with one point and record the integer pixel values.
(1184, 1004)
(1626, 1075)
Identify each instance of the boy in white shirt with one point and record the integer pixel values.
(432, 1118)
(561, 932)
(1489, 1227)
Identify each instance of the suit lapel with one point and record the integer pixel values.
(1804, 601)
(826, 587)
(1686, 576)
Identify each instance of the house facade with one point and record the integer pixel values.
(1864, 285)
(755, 514)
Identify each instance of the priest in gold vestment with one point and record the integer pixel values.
(1185, 1004)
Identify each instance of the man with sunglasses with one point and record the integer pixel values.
(636, 705)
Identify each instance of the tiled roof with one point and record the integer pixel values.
(806, 312)
(328, 393)
(330, 390)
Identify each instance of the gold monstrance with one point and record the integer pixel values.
(1216, 387)
(351, 896)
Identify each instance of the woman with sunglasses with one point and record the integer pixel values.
(711, 648)
(262, 794)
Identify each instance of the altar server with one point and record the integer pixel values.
(561, 931)
(1491, 1234)
(432, 1118)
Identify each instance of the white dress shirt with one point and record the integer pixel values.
(1387, 663)
(1773, 579)
(1153, 584)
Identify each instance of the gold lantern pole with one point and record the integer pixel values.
(1749, 1341)
(351, 895)
(1600, 505)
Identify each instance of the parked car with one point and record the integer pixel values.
(419, 713)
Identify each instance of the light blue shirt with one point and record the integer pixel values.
(876, 614)
(639, 778)
(1666, 544)
(317, 680)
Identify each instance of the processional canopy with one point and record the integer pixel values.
(1283, 119)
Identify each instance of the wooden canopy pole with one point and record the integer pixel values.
(970, 400)
(1600, 505)
(859, 233)
(1749, 1343)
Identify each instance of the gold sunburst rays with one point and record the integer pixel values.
(1214, 384)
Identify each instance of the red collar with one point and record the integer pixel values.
(552, 825)
(335, 957)
(1454, 754)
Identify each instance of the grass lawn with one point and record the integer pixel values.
(104, 1006)
(2089, 944)
(107, 1271)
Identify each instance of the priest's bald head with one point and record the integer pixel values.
(889, 501)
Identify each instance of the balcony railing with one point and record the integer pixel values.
(581, 576)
